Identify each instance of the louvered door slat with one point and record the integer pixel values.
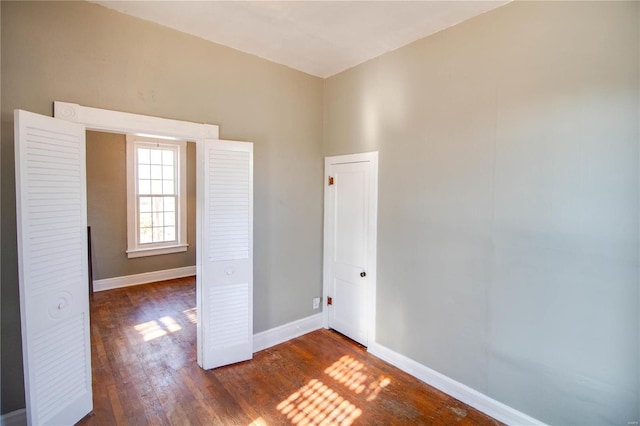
(226, 258)
(52, 252)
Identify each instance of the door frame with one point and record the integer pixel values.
(123, 122)
(372, 158)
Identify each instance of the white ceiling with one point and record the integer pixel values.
(321, 38)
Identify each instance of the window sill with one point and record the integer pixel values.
(156, 251)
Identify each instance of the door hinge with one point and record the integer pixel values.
(329, 300)
(330, 180)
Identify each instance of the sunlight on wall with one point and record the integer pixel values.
(371, 122)
(151, 329)
(316, 403)
(192, 315)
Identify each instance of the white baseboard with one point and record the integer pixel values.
(464, 393)
(281, 334)
(147, 277)
(14, 418)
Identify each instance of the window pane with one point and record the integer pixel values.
(167, 158)
(145, 204)
(158, 235)
(156, 172)
(143, 155)
(145, 220)
(156, 187)
(169, 219)
(145, 235)
(144, 187)
(167, 172)
(167, 187)
(158, 219)
(169, 204)
(157, 204)
(143, 171)
(169, 233)
(156, 156)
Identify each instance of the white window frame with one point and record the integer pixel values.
(134, 248)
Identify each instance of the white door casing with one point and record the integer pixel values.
(225, 252)
(205, 136)
(53, 268)
(350, 220)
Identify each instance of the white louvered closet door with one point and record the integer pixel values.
(53, 268)
(225, 258)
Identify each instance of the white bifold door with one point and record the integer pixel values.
(51, 211)
(53, 268)
(225, 252)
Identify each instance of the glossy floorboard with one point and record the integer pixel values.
(145, 373)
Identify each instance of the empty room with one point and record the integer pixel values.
(309, 212)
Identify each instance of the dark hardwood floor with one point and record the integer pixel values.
(145, 373)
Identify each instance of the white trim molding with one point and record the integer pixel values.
(461, 392)
(177, 248)
(147, 277)
(124, 122)
(14, 418)
(275, 336)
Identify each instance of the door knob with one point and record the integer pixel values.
(363, 274)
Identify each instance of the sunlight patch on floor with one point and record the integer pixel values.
(258, 422)
(349, 372)
(376, 386)
(316, 403)
(152, 329)
(352, 374)
(192, 315)
(170, 324)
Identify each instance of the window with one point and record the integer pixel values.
(156, 196)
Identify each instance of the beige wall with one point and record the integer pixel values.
(83, 53)
(508, 203)
(107, 210)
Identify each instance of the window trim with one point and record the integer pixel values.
(134, 248)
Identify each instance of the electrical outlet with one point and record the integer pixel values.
(316, 302)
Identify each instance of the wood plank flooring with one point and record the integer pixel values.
(145, 373)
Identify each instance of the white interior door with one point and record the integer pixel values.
(350, 222)
(225, 256)
(53, 268)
